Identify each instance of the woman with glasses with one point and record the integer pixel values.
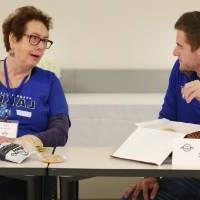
(28, 94)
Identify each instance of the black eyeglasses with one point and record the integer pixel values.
(35, 40)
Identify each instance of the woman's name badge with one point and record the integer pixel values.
(24, 113)
(9, 128)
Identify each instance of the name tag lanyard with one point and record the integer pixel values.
(12, 93)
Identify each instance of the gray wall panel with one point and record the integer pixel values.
(114, 81)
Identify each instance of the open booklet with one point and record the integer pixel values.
(152, 141)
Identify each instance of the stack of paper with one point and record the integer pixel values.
(152, 142)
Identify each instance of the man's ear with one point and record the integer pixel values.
(12, 40)
(198, 52)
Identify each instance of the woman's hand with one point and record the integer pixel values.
(148, 186)
(29, 141)
(6, 139)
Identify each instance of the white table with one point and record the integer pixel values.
(32, 170)
(97, 161)
(30, 166)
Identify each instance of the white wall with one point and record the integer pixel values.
(109, 33)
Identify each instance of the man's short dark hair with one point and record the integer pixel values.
(16, 22)
(189, 23)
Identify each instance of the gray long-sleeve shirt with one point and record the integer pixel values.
(57, 131)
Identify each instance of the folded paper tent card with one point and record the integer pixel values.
(152, 141)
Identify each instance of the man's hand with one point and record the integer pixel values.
(191, 90)
(148, 186)
(6, 139)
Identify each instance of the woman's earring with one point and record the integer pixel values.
(12, 52)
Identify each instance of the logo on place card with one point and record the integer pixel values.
(187, 147)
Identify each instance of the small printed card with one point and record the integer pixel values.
(186, 153)
(152, 141)
(9, 128)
